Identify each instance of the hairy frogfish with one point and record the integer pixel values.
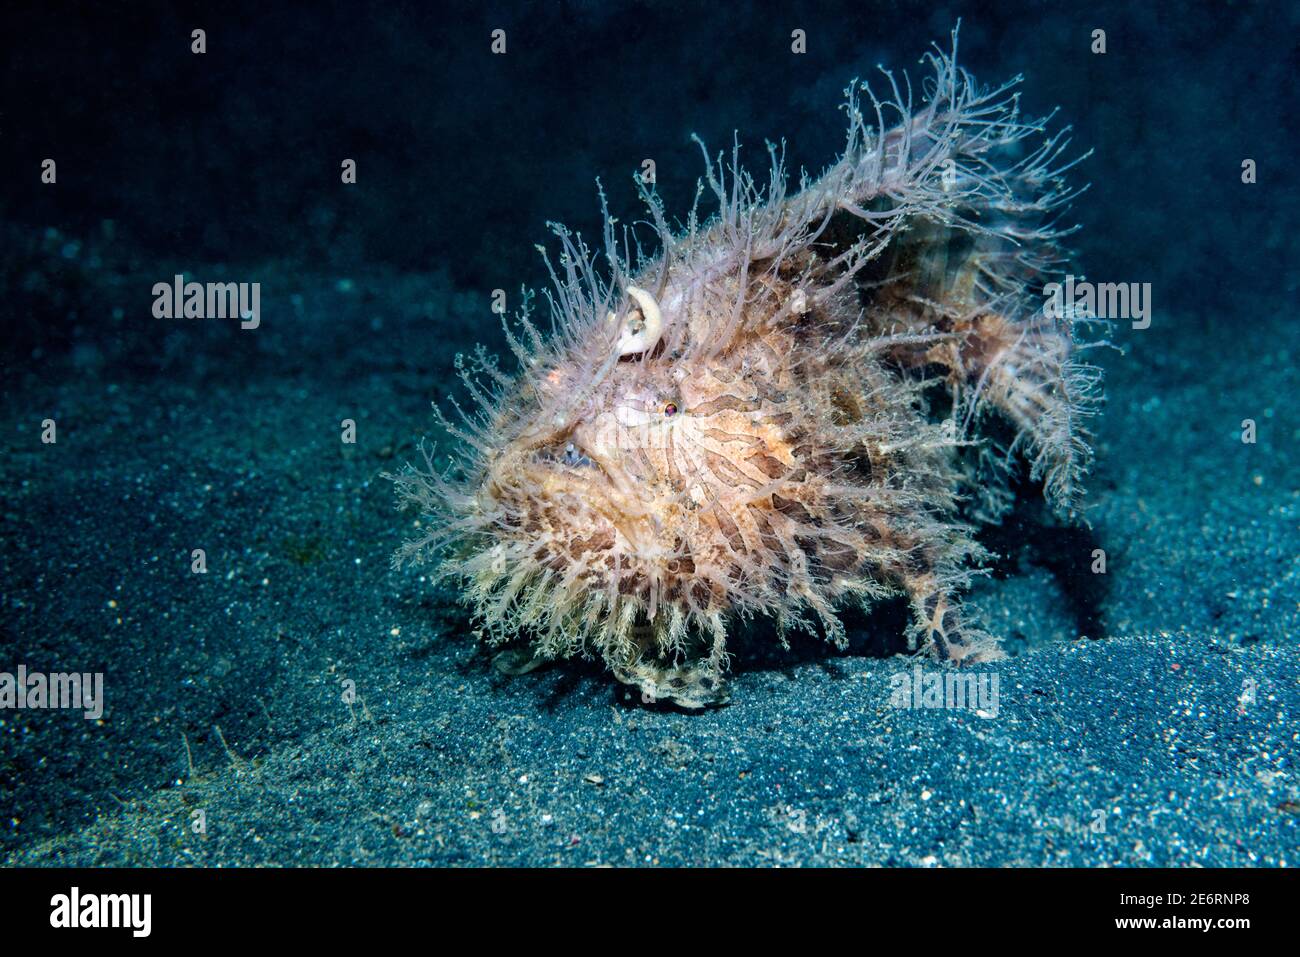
(805, 399)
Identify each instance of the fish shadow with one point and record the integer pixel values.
(1032, 535)
(1028, 535)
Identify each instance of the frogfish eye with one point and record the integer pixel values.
(670, 408)
(573, 458)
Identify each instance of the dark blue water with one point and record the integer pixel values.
(303, 691)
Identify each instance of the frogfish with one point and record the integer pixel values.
(797, 400)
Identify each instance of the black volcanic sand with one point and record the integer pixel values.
(225, 691)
